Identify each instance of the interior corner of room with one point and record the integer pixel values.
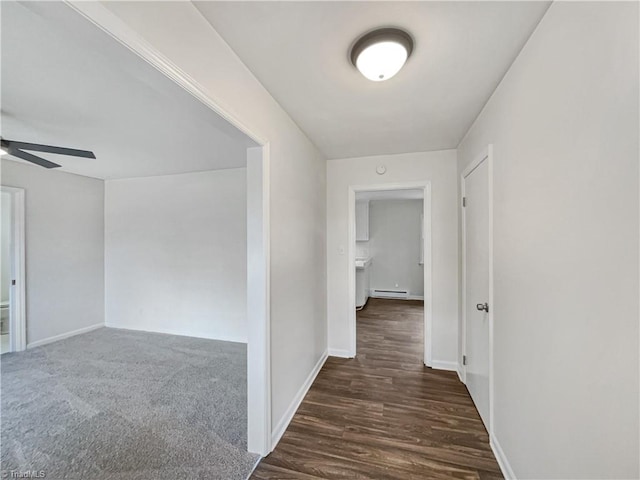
(233, 246)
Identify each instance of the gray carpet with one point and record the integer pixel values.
(116, 404)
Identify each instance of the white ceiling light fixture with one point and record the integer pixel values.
(381, 53)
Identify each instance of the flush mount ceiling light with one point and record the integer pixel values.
(381, 53)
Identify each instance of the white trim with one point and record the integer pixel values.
(258, 302)
(416, 297)
(17, 302)
(62, 336)
(428, 291)
(459, 371)
(486, 154)
(491, 302)
(428, 272)
(503, 463)
(336, 352)
(351, 275)
(111, 24)
(444, 365)
(284, 422)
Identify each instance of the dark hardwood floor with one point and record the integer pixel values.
(383, 415)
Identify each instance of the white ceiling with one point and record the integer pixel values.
(299, 51)
(67, 83)
(390, 195)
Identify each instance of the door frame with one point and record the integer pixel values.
(17, 302)
(259, 426)
(425, 186)
(486, 154)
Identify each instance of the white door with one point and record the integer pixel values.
(476, 289)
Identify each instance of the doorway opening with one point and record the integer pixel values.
(256, 305)
(390, 250)
(12, 306)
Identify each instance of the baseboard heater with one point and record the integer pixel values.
(401, 294)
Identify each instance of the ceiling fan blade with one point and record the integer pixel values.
(36, 147)
(31, 158)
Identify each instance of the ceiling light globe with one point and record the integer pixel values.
(381, 61)
(381, 53)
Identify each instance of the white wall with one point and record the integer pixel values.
(64, 249)
(5, 246)
(296, 181)
(440, 169)
(176, 254)
(564, 125)
(394, 244)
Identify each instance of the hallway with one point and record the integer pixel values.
(383, 414)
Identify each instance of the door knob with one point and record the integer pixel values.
(483, 306)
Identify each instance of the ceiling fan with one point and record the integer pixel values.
(17, 149)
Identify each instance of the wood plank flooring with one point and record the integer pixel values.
(383, 415)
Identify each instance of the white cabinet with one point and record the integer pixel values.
(362, 285)
(362, 221)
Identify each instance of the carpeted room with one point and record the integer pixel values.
(135, 264)
(122, 404)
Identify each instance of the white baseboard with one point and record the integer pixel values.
(460, 375)
(181, 333)
(507, 471)
(441, 365)
(62, 336)
(282, 425)
(415, 297)
(336, 352)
